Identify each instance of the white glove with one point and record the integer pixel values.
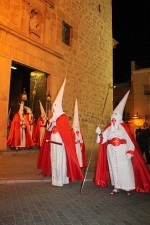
(52, 120)
(128, 156)
(98, 130)
(51, 124)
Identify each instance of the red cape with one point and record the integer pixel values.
(37, 131)
(44, 162)
(141, 171)
(83, 150)
(14, 133)
(73, 169)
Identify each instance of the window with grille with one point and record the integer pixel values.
(66, 33)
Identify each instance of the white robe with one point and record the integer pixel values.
(79, 154)
(30, 126)
(78, 140)
(22, 133)
(58, 162)
(120, 168)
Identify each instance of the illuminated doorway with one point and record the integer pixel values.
(33, 82)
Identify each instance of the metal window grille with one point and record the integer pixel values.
(65, 33)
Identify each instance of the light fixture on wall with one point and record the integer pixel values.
(48, 98)
(135, 116)
(13, 67)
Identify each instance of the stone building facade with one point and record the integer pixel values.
(138, 102)
(31, 34)
(141, 96)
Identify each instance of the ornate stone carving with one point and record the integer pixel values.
(36, 18)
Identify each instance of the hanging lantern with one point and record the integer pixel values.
(24, 95)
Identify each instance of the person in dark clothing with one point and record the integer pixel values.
(143, 141)
(138, 132)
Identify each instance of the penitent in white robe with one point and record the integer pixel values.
(22, 133)
(78, 140)
(58, 161)
(120, 167)
(79, 154)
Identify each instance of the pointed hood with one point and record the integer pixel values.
(57, 104)
(43, 114)
(116, 117)
(59, 98)
(28, 110)
(76, 125)
(121, 105)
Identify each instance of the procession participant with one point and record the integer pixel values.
(143, 141)
(63, 163)
(120, 159)
(31, 122)
(19, 137)
(78, 138)
(40, 127)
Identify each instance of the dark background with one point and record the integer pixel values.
(131, 28)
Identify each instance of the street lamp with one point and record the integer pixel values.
(48, 100)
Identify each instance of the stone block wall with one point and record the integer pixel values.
(31, 34)
(140, 78)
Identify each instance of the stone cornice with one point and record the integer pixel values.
(22, 37)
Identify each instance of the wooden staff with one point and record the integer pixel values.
(109, 87)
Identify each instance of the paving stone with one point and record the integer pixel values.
(26, 198)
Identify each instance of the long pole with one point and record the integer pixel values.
(34, 93)
(95, 142)
(104, 105)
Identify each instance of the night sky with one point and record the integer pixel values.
(131, 28)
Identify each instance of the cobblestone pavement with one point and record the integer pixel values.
(27, 198)
(41, 204)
